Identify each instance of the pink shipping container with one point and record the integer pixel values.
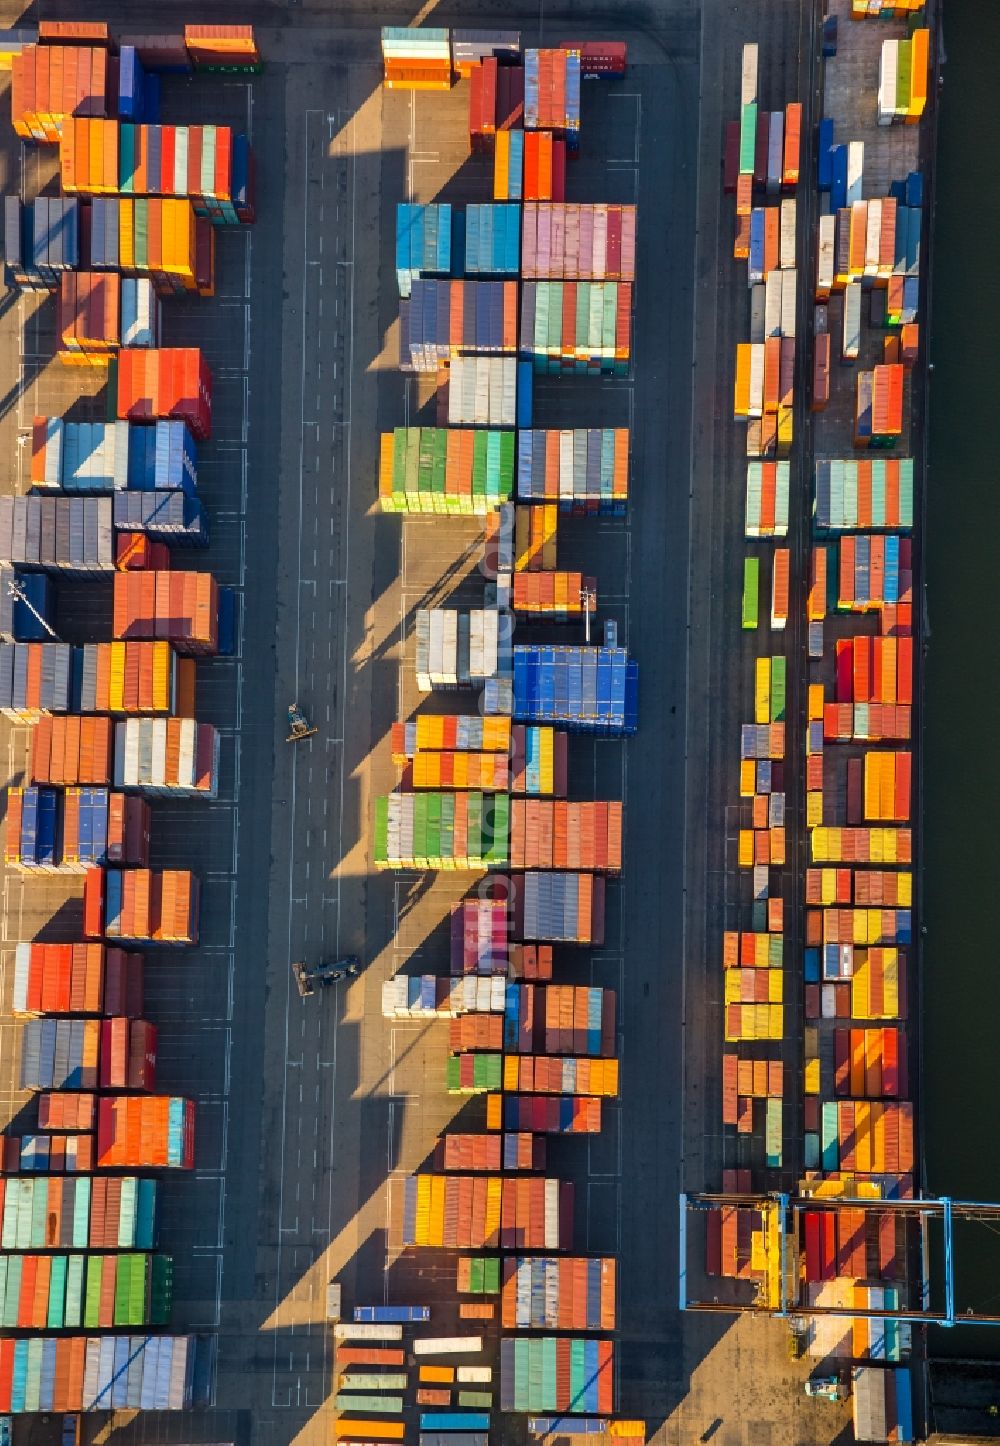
(577, 242)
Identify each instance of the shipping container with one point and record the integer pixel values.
(146, 905)
(558, 1293)
(96, 1373)
(416, 59)
(442, 830)
(181, 608)
(456, 648)
(557, 1373)
(67, 535)
(434, 470)
(145, 1131)
(583, 470)
(577, 326)
(588, 689)
(578, 242)
(552, 92)
(423, 243)
(491, 1212)
(852, 494)
(175, 382)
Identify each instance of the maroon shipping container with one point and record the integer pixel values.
(128, 1055)
(760, 150)
(124, 988)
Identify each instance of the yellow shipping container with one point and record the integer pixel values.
(501, 166)
(816, 700)
(494, 1112)
(493, 1189)
(812, 1076)
(814, 811)
(762, 691)
(785, 430)
(745, 847)
(437, 1375)
(116, 679)
(775, 1021)
(748, 778)
(775, 986)
(162, 700)
(741, 401)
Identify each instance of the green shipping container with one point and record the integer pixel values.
(748, 138)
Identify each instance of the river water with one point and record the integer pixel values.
(961, 767)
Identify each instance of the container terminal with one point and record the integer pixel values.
(311, 975)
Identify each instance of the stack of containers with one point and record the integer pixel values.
(108, 456)
(207, 164)
(93, 1292)
(416, 59)
(564, 1374)
(175, 382)
(496, 102)
(578, 243)
(145, 1131)
(529, 166)
(180, 607)
(41, 240)
(142, 905)
(477, 1212)
(88, 318)
(549, 1115)
(560, 907)
(70, 535)
(864, 494)
(35, 678)
(50, 84)
(550, 834)
(482, 391)
(568, 1293)
(479, 937)
(68, 750)
(552, 93)
(555, 597)
(75, 830)
(96, 1373)
(435, 470)
(587, 689)
(158, 236)
(167, 755)
(493, 240)
(559, 1019)
(447, 318)
(902, 78)
(527, 1074)
(423, 243)
(442, 830)
(223, 48)
(53, 1213)
(577, 326)
(584, 470)
(458, 648)
(76, 979)
(38, 678)
(469, 47)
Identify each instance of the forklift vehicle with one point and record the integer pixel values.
(310, 977)
(298, 724)
(826, 1388)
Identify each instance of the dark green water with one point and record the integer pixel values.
(961, 767)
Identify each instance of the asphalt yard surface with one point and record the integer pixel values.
(311, 1113)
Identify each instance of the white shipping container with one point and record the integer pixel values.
(772, 304)
(855, 170)
(756, 408)
(441, 1345)
(781, 490)
(873, 237)
(474, 1375)
(786, 234)
(851, 340)
(788, 300)
(748, 79)
(347, 1330)
(887, 70)
(825, 255)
